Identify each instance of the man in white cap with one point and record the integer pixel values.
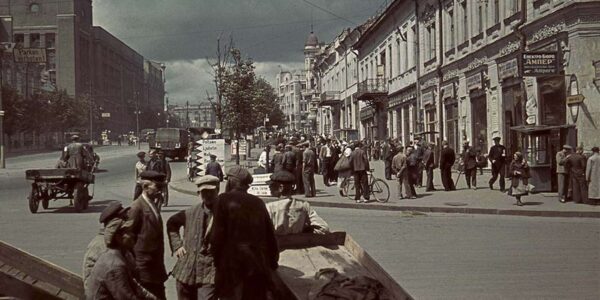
(195, 270)
(497, 157)
(562, 174)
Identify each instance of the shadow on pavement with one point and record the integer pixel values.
(100, 171)
(94, 207)
(532, 203)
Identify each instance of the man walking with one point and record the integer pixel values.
(360, 165)
(147, 227)
(592, 176)
(469, 157)
(308, 171)
(243, 241)
(419, 152)
(399, 167)
(214, 168)
(385, 149)
(497, 157)
(195, 270)
(561, 172)
(326, 155)
(140, 167)
(412, 169)
(447, 159)
(429, 163)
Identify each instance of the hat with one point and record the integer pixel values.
(207, 182)
(74, 137)
(595, 149)
(240, 174)
(114, 210)
(496, 138)
(212, 156)
(153, 150)
(567, 147)
(153, 176)
(113, 227)
(141, 154)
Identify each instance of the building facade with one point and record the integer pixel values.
(200, 115)
(293, 100)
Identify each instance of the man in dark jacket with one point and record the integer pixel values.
(497, 157)
(214, 168)
(147, 228)
(194, 270)
(429, 163)
(412, 168)
(242, 241)
(308, 169)
(298, 152)
(447, 158)
(360, 166)
(389, 151)
(73, 154)
(575, 166)
(469, 158)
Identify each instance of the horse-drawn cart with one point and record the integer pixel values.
(54, 184)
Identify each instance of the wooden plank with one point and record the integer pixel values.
(42, 270)
(296, 270)
(306, 240)
(13, 287)
(378, 272)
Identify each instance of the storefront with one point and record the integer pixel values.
(450, 114)
(401, 105)
(513, 101)
(479, 113)
(369, 128)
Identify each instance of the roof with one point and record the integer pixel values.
(312, 40)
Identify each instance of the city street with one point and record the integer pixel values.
(433, 256)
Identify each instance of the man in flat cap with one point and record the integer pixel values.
(73, 153)
(497, 157)
(114, 211)
(575, 165)
(140, 166)
(242, 241)
(147, 227)
(214, 168)
(562, 174)
(195, 270)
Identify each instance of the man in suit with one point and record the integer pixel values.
(326, 155)
(575, 164)
(360, 165)
(214, 168)
(497, 157)
(73, 154)
(429, 164)
(399, 166)
(562, 174)
(147, 227)
(469, 157)
(308, 169)
(447, 158)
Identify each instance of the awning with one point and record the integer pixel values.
(527, 129)
(425, 132)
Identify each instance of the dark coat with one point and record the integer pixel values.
(242, 242)
(516, 178)
(447, 158)
(289, 161)
(575, 166)
(428, 158)
(497, 153)
(359, 160)
(149, 249)
(214, 168)
(469, 157)
(278, 161)
(74, 155)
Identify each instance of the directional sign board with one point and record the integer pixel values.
(205, 148)
(30, 55)
(575, 99)
(259, 186)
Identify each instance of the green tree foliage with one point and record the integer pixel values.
(13, 106)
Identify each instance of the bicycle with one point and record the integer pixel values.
(377, 187)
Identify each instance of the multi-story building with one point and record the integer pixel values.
(336, 67)
(82, 59)
(292, 102)
(201, 115)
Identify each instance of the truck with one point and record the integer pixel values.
(173, 142)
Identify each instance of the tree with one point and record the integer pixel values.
(218, 72)
(13, 105)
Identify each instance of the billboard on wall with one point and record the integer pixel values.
(540, 63)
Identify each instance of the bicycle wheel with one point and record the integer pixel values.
(380, 190)
(349, 189)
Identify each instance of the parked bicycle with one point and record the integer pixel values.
(378, 188)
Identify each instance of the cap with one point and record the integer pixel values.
(153, 150)
(141, 154)
(567, 147)
(153, 176)
(595, 149)
(241, 174)
(74, 137)
(496, 138)
(213, 156)
(207, 182)
(113, 210)
(113, 227)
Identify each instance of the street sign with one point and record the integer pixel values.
(575, 99)
(1, 113)
(259, 186)
(540, 63)
(106, 115)
(30, 55)
(205, 149)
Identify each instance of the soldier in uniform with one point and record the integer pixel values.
(497, 157)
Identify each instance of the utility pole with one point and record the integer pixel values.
(137, 120)
(2, 160)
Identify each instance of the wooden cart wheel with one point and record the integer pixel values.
(79, 196)
(45, 199)
(34, 200)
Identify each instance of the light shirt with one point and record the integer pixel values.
(154, 211)
(262, 160)
(139, 168)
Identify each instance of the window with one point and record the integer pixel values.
(465, 14)
(496, 11)
(450, 29)
(19, 40)
(50, 40)
(480, 17)
(34, 40)
(514, 6)
(430, 36)
(390, 73)
(413, 45)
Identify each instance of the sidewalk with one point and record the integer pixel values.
(463, 200)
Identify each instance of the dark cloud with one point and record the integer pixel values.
(183, 33)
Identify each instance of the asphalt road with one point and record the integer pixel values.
(432, 256)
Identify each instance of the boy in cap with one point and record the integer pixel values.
(194, 270)
(242, 241)
(147, 227)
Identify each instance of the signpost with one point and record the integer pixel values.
(575, 99)
(259, 186)
(540, 63)
(29, 55)
(205, 148)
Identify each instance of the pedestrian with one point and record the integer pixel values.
(308, 171)
(194, 271)
(114, 212)
(214, 168)
(562, 174)
(429, 164)
(367, 148)
(277, 161)
(481, 161)
(419, 151)
(412, 172)
(575, 166)
(326, 156)
(519, 176)
(263, 159)
(242, 241)
(335, 156)
(113, 275)
(147, 227)
(399, 166)
(140, 166)
(469, 160)
(447, 159)
(385, 148)
(298, 153)
(360, 166)
(388, 157)
(344, 169)
(497, 157)
(292, 216)
(592, 176)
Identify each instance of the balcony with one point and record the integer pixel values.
(371, 89)
(329, 98)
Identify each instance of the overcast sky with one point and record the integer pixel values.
(183, 33)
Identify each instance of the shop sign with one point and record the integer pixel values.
(575, 99)
(540, 63)
(427, 98)
(508, 69)
(448, 91)
(474, 82)
(29, 55)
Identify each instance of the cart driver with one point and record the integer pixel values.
(74, 153)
